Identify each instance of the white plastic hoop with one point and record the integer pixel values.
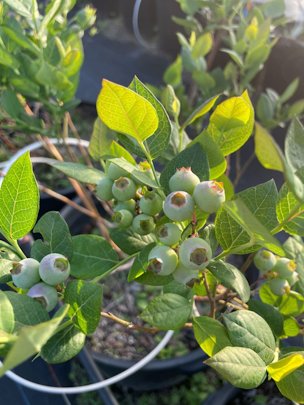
(109, 381)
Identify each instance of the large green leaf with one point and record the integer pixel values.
(292, 386)
(64, 345)
(271, 315)
(193, 157)
(230, 277)
(125, 111)
(103, 144)
(19, 199)
(30, 341)
(210, 334)
(138, 175)
(266, 149)
(85, 304)
(79, 172)
(167, 311)
(250, 330)
(240, 366)
(159, 142)
(231, 123)
(201, 111)
(294, 145)
(92, 256)
(130, 242)
(56, 237)
(282, 368)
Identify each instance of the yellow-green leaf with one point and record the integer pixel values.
(266, 149)
(201, 110)
(285, 366)
(125, 111)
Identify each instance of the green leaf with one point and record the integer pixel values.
(85, 304)
(125, 111)
(271, 315)
(268, 297)
(234, 56)
(258, 234)
(294, 145)
(63, 346)
(79, 172)
(292, 304)
(30, 341)
(240, 366)
(7, 59)
(175, 287)
(5, 270)
(19, 199)
(290, 90)
(160, 140)
(292, 386)
(202, 45)
(193, 157)
(56, 237)
(282, 368)
(201, 111)
(231, 278)
(173, 74)
(140, 263)
(136, 174)
(22, 7)
(130, 242)
(231, 123)
(103, 144)
(21, 39)
(250, 330)
(27, 311)
(167, 311)
(92, 256)
(150, 278)
(266, 149)
(210, 334)
(7, 317)
(291, 327)
(287, 201)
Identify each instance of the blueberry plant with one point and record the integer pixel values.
(176, 219)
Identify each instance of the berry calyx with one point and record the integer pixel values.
(45, 294)
(264, 261)
(179, 206)
(123, 218)
(169, 234)
(151, 203)
(162, 260)
(209, 195)
(104, 189)
(195, 253)
(143, 224)
(124, 189)
(54, 269)
(114, 172)
(184, 180)
(25, 273)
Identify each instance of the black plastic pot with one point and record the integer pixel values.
(48, 203)
(109, 8)
(222, 396)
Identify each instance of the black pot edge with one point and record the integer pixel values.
(223, 395)
(154, 365)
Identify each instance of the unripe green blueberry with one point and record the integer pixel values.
(114, 172)
(195, 253)
(151, 203)
(183, 180)
(179, 206)
(284, 267)
(104, 189)
(45, 294)
(124, 189)
(162, 260)
(169, 234)
(143, 224)
(209, 195)
(183, 274)
(293, 279)
(123, 218)
(264, 261)
(54, 269)
(25, 273)
(129, 205)
(279, 286)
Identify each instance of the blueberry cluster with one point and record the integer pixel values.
(280, 272)
(146, 211)
(40, 279)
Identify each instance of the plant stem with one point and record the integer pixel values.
(119, 264)
(210, 297)
(17, 248)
